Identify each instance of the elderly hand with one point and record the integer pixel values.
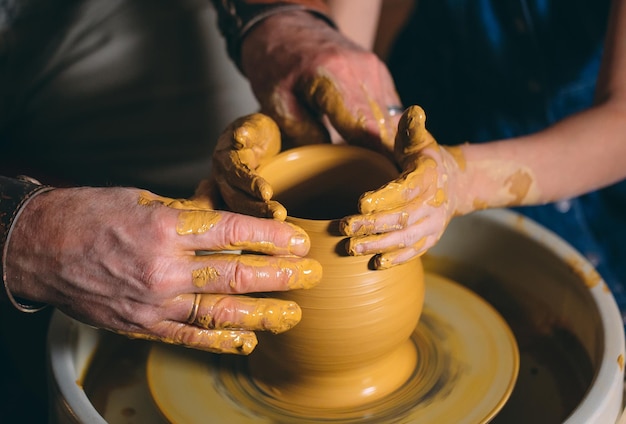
(303, 71)
(242, 147)
(406, 217)
(125, 260)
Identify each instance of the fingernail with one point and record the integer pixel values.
(299, 243)
(355, 248)
(382, 262)
(345, 227)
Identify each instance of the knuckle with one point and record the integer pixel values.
(181, 335)
(243, 278)
(152, 273)
(224, 313)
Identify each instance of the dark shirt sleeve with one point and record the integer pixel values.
(237, 17)
(14, 193)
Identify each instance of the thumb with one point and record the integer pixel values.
(412, 136)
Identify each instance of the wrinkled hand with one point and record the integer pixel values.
(125, 260)
(241, 149)
(302, 70)
(406, 217)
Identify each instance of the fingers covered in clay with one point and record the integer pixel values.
(223, 312)
(246, 273)
(397, 235)
(301, 125)
(412, 136)
(215, 341)
(242, 202)
(319, 78)
(359, 113)
(222, 230)
(241, 149)
(407, 216)
(128, 254)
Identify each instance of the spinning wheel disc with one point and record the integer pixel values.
(466, 369)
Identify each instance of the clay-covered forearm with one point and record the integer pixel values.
(237, 17)
(577, 155)
(15, 193)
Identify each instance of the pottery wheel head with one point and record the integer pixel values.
(467, 366)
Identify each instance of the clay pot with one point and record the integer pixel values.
(353, 344)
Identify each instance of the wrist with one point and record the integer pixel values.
(15, 195)
(237, 18)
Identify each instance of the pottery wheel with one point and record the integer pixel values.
(467, 366)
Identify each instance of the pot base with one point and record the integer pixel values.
(466, 369)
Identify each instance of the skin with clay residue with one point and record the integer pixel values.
(216, 341)
(246, 154)
(323, 93)
(196, 222)
(423, 179)
(457, 154)
(266, 314)
(382, 120)
(495, 183)
(519, 185)
(201, 218)
(147, 199)
(305, 131)
(308, 272)
(204, 275)
(438, 199)
(389, 260)
(479, 204)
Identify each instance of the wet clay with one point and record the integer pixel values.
(353, 344)
(432, 172)
(217, 341)
(195, 217)
(555, 370)
(202, 276)
(466, 366)
(274, 315)
(324, 94)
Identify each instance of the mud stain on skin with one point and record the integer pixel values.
(458, 156)
(265, 314)
(148, 199)
(422, 180)
(195, 216)
(519, 184)
(201, 277)
(307, 274)
(216, 341)
(196, 222)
